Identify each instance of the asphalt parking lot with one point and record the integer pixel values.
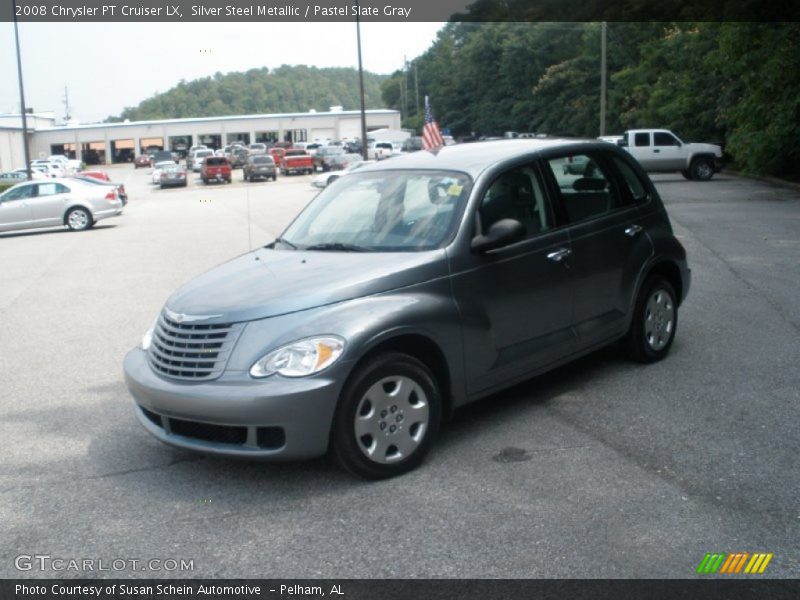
(600, 469)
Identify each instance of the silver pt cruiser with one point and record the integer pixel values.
(405, 290)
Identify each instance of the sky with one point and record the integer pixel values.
(109, 66)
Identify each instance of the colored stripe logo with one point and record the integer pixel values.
(734, 563)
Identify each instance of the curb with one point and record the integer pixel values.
(773, 180)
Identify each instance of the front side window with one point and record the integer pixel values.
(516, 194)
(20, 193)
(585, 187)
(383, 211)
(662, 138)
(636, 186)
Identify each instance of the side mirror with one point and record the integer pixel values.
(502, 233)
(622, 143)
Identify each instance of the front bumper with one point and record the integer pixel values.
(273, 418)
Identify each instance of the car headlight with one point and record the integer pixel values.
(147, 338)
(300, 358)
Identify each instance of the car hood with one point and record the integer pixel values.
(267, 283)
(702, 147)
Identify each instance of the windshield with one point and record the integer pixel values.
(382, 211)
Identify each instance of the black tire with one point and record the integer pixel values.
(686, 174)
(205, 180)
(244, 175)
(274, 178)
(414, 421)
(655, 321)
(79, 219)
(702, 169)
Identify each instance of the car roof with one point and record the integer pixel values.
(475, 157)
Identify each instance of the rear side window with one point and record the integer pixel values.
(586, 189)
(50, 189)
(641, 139)
(216, 161)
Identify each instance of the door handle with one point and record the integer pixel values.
(633, 230)
(559, 255)
(656, 151)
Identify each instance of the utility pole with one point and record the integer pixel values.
(67, 115)
(416, 90)
(22, 108)
(361, 84)
(603, 75)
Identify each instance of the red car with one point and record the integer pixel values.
(216, 168)
(143, 160)
(101, 175)
(297, 161)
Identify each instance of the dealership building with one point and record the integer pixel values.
(106, 143)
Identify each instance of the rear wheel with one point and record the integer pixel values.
(274, 178)
(655, 320)
(388, 417)
(79, 219)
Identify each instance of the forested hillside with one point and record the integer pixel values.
(735, 83)
(285, 89)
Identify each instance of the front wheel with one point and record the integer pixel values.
(655, 320)
(702, 169)
(388, 417)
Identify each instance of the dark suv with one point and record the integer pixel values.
(403, 292)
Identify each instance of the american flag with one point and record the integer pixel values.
(431, 136)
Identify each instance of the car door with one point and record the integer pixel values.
(641, 148)
(49, 204)
(667, 151)
(514, 301)
(15, 207)
(608, 243)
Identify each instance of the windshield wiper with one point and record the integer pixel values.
(285, 242)
(337, 246)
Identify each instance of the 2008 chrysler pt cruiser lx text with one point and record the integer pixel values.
(409, 288)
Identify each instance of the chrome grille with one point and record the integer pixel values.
(192, 350)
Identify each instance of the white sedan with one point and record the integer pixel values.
(156, 178)
(57, 202)
(325, 179)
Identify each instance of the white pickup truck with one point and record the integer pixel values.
(660, 150)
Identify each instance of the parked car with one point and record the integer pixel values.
(143, 160)
(297, 161)
(120, 188)
(277, 154)
(238, 156)
(324, 158)
(173, 175)
(101, 175)
(257, 148)
(51, 169)
(260, 166)
(13, 177)
(164, 156)
(68, 165)
(661, 151)
(68, 202)
(155, 176)
(323, 180)
(195, 160)
(216, 168)
(405, 291)
(383, 150)
(36, 173)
